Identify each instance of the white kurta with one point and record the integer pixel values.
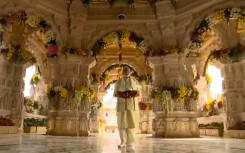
(127, 109)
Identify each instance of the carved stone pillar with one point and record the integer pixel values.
(166, 18)
(234, 88)
(181, 122)
(11, 96)
(63, 120)
(157, 73)
(94, 121)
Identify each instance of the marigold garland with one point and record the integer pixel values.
(184, 94)
(217, 16)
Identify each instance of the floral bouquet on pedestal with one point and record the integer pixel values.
(127, 94)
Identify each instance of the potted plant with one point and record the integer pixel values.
(212, 129)
(7, 126)
(33, 125)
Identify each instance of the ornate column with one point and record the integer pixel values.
(71, 70)
(145, 113)
(11, 95)
(233, 86)
(166, 17)
(94, 121)
(173, 71)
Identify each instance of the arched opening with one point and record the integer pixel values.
(114, 51)
(27, 40)
(218, 40)
(29, 80)
(109, 110)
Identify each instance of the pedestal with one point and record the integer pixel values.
(176, 125)
(95, 124)
(65, 123)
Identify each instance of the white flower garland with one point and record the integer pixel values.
(48, 36)
(166, 101)
(32, 21)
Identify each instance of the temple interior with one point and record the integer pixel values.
(60, 59)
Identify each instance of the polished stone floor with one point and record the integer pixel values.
(107, 143)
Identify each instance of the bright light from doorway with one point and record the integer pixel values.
(109, 101)
(27, 79)
(216, 84)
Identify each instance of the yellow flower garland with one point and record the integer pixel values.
(63, 92)
(219, 15)
(183, 91)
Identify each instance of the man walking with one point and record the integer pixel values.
(126, 91)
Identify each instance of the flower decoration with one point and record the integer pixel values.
(147, 78)
(164, 97)
(120, 37)
(145, 105)
(33, 104)
(37, 105)
(197, 37)
(87, 92)
(96, 104)
(226, 55)
(17, 54)
(35, 79)
(208, 78)
(186, 93)
(31, 22)
(6, 121)
(76, 51)
(210, 104)
(94, 78)
(127, 94)
(170, 50)
(183, 94)
(63, 92)
(209, 107)
(66, 91)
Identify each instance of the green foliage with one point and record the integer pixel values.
(33, 103)
(35, 122)
(214, 125)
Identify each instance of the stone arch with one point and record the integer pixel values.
(120, 37)
(222, 36)
(37, 25)
(107, 31)
(30, 9)
(140, 30)
(31, 45)
(109, 83)
(200, 16)
(108, 63)
(122, 64)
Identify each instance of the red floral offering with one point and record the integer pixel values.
(127, 94)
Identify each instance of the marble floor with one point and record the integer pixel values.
(107, 143)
